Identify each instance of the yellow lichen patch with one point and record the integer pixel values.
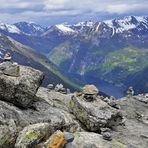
(57, 141)
(118, 144)
(32, 135)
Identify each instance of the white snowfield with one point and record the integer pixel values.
(65, 28)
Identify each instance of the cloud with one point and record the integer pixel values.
(109, 6)
(35, 10)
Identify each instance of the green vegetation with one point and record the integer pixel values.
(118, 64)
(60, 54)
(29, 52)
(133, 60)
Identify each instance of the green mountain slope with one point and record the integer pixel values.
(27, 56)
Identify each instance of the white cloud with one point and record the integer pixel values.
(110, 6)
(32, 10)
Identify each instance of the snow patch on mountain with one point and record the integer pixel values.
(84, 24)
(65, 28)
(9, 28)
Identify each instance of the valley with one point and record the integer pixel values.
(112, 53)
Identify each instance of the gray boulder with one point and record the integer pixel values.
(69, 137)
(95, 115)
(89, 140)
(135, 131)
(21, 90)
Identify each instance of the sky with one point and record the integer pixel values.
(50, 12)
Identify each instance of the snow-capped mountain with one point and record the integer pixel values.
(9, 28)
(30, 28)
(60, 30)
(116, 26)
(106, 28)
(127, 23)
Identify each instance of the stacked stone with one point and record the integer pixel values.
(90, 92)
(130, 92)
(60, 88)
(50, 87)
(8, 67)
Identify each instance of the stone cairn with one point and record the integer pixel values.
(8, 67)
(90, 92)
(130, 92)
(50, 87)
(7, 57)
(58, 88)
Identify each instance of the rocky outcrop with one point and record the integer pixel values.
(19, 90)
(55, 99)
(135, 131)
(33, 116)
(95, 115)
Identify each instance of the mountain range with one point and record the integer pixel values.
(111, 53)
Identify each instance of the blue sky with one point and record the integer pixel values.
(49, 12)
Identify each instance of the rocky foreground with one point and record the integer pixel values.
(35, 117)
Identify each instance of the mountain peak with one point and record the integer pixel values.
(30, 28)
(126, 23)
(9, 28)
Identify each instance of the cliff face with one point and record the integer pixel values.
(31, 115)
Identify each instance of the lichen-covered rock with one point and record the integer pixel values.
(31, 135)
(95, 115)
(22, 89)
(56, 118)
(89, 140)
